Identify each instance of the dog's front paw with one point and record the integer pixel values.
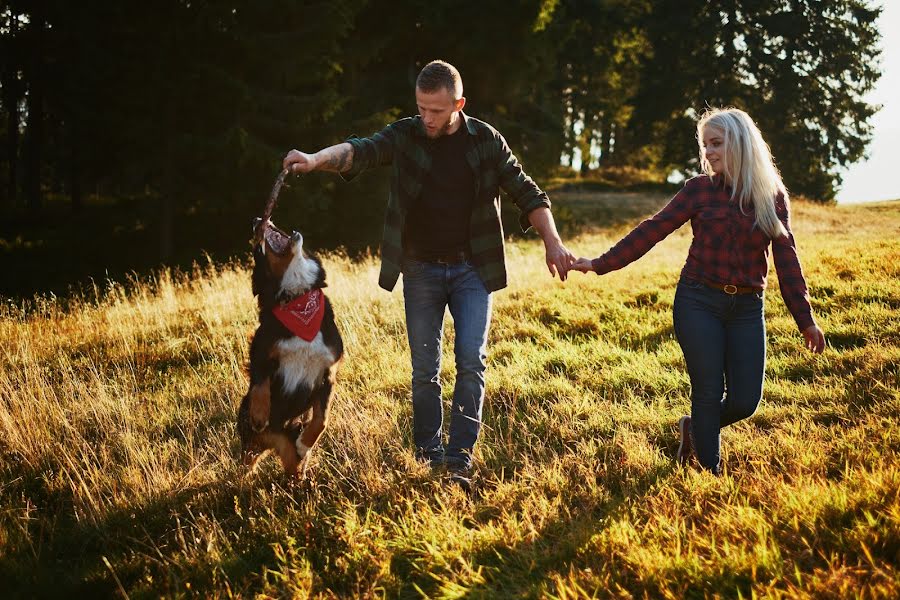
(302, 449)
(249, 458)
(260, 406)
(303, 452)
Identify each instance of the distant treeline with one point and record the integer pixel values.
(190, 106)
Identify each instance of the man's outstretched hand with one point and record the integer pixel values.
(559, 259)
(298, 162)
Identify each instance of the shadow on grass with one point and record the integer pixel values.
(149, 548)
(552, 549)
(136, 543)
(650, 342)
(840, 340)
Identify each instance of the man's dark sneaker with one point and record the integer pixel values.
(434, 457)
(461, 476)
(686, 447)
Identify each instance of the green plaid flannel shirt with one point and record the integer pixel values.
(403, 146)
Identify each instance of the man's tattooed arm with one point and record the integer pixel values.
(337, 158)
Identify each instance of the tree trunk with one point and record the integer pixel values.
(167, 202)
(75, 181)
(622, 146)
(11, 102)
(11, 95)
(34, 147)
(169, 56)
(167, 226)
(585, 161)
(169, 179)
(614, 147)
(605, 132)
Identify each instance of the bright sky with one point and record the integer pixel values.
(877, 177)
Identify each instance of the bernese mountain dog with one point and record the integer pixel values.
(294, 353)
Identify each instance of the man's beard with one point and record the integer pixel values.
(445, 130)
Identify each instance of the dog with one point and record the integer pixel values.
(294, 353)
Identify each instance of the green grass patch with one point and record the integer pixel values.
(117, 443)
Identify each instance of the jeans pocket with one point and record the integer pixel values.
(410, 267)
(692, 284)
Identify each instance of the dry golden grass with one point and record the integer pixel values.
(117, 441)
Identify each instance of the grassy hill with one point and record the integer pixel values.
(117, 440)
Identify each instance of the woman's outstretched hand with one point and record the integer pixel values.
(582, 264)
(815, 339)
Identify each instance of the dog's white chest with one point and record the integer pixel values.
(303, 362)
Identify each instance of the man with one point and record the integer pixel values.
(443, 233)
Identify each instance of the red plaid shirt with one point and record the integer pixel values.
(726, 249)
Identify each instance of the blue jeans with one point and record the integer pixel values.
(723, 338)
(428, 290)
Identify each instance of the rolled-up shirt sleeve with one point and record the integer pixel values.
(648, 233)
(521, 188)
(791, 281)
(370, 152)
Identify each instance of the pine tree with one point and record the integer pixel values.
(800, 68)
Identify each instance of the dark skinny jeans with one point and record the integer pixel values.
(723, 338)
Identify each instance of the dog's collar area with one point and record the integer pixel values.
(303, 315)
(284, 299)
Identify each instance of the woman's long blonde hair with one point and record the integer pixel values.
(748, 167)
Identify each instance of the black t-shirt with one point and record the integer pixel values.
(438, 221)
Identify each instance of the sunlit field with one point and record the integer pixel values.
(118, 444)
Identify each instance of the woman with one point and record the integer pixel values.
(737, 208)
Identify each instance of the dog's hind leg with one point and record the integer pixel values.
(287, 453)
(263, 364)
(252, 443)
(321, 398)
(260, 404)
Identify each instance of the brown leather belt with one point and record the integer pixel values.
(732, 289)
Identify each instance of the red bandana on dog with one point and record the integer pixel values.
(303, 315)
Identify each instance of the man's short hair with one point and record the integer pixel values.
(438, 75)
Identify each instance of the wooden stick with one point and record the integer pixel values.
(270, 205)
